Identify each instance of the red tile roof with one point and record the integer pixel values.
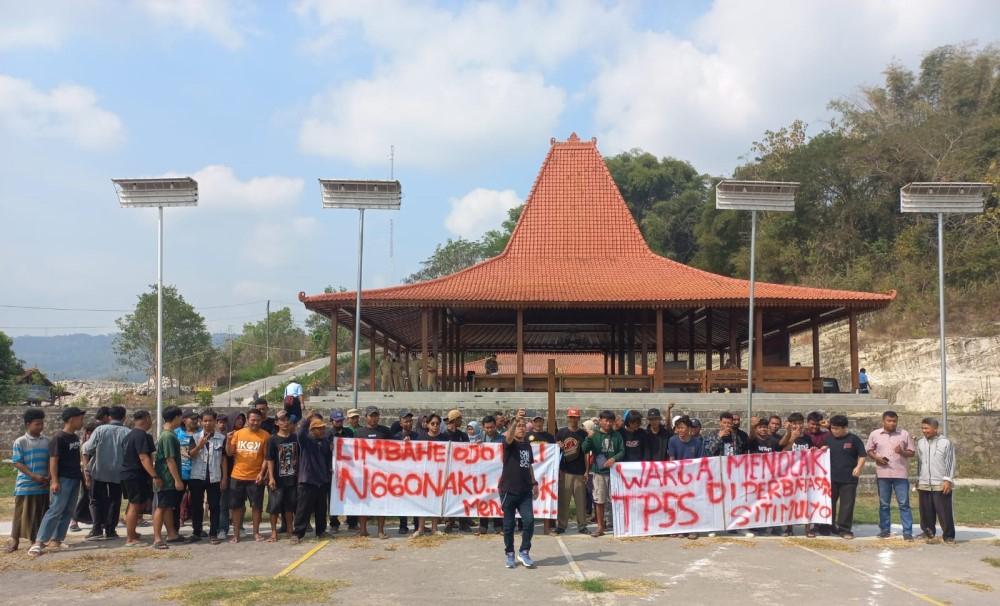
(576, 243)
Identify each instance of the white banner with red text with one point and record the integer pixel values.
(431, 479)
(721, 493)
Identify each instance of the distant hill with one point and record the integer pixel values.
(77, 356)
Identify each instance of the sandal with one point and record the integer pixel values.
(35, 551)
(176, 540)
(160, 546)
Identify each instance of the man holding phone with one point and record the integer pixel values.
(891, 448)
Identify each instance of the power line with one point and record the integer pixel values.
(42, 308)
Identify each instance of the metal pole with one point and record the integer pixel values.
(357, 301)
(944, 365)
(159, 323)
(229, 329)
(750, 326)
(267, 332)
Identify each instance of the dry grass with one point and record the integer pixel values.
(994, 562)
(254, 590)
(428, 541)
(376, 558)
(820, 544)
(358, 543)
(630, 587)
(114, 560)
(973, 584)
(712, 541)
(128, 582)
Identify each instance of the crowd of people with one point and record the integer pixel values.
(206, 463)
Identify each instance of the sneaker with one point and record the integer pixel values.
(711, 535)
(560, 530)
(884, 534)
(908, 538)
(949, 541)
(582, 530)
(510, 561)
(74, 527)
(847, 534)
(95, 536)
(786, 532)
(749, 534)
(525, 559)
(404, 530)
(111, 535)
(776, 532)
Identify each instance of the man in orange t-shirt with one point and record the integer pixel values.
(247, 446)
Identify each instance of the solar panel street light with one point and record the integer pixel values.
(941, 198)
(157, 193)
(361, 195)
(732, 194)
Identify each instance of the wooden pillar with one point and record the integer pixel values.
(734, 342)
(855, 365)
(708, 340)
(658, 369)
(519, 372)
(551, 389)
(446, 332)
(372, 362)
(691, 340)
(425, 329)
(334, 325)
(436, 347)
(461, 358)
(677, 339)
(815, 344)
(630, 354)
(758, 342)
(643, 348)
(605, 363)
(613, 351)
(622, 369)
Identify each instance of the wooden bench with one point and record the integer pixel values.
(785, 379)
(685, 379)
(733, 379)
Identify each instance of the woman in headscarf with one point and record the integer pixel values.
(475, 432)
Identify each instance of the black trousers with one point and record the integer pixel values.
(199, 490)
(842, 497)
(311, 503)
(512, 504)
(935, 505)
(106, 504)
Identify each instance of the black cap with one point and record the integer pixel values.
(695, 422)
(654, 413)
(371, 410)
(70, 412)
(405, 413)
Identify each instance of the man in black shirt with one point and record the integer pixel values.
(572, 473)
(282, 460)
(266, 423)
(338, 430)
(518, 489)
(795, 439)
(847, 459)
(634, 437)
(454, 429)
(658, 435)
(66, 477)
(373, 431)
(405, 433)
(137, 473)
(538, 433)
(762, 441)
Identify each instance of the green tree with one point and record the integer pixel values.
(456, 255)
(187, 345)
(318, 329)
(10, 369)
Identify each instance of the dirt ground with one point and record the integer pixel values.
(469, 569)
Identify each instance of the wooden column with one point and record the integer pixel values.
(551, 389)
(855, 365)
(815, 344)
(658, 369)
(605, 363)
(436, 346)
(425, 329)
(613, 353)
(643, 348)
(630, 354)
(734, 341)
(691, 340)
(519, 372)
(461, 357)
(758, 343)
(677, 339)
(622, 369)
(334, 324)
(372, 362)
(446, 335)
(708, 339)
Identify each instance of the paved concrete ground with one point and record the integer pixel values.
(262, 385)
(468, 569)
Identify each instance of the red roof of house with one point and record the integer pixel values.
(576, 243)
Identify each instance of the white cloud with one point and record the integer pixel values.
(67, 112)
(450, 87)
(480, 210)
(37, 34)
(220, 188)
(214, 17)
(273, 244)
(753, 65)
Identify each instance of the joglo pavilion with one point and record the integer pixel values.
(578, 282)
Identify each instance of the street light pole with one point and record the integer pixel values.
(357, 302)
(754, 196)
(940, 198)
(157, 193)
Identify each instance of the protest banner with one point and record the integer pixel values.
(430, 479)
(480, 466)
(777, 489)
(662, 497)
(721, 493)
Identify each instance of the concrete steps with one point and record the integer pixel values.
(537, 401)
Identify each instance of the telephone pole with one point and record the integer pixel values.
(267, 333)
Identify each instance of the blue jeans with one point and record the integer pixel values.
(55, 523)
(886, 488)
(512, 503)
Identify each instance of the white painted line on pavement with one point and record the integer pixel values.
(569, 559)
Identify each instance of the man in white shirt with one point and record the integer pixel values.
(293, 399)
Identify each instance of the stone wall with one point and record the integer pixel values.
(974, 434)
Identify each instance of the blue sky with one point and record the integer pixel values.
(257, 101)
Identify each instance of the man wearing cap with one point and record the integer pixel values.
(658, 435)
(538, 433)
(338, 430)
(405, 433)
(64, 484)
(373, 431)
(315, 458)
(454, 428)
(572, 473)
(354, 420)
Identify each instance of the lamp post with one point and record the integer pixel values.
(159, 194)
(754, 196)
(360, 195)
(941, 198)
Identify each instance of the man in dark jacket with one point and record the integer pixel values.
(634, 437)
(315, 458)
(658, 434)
